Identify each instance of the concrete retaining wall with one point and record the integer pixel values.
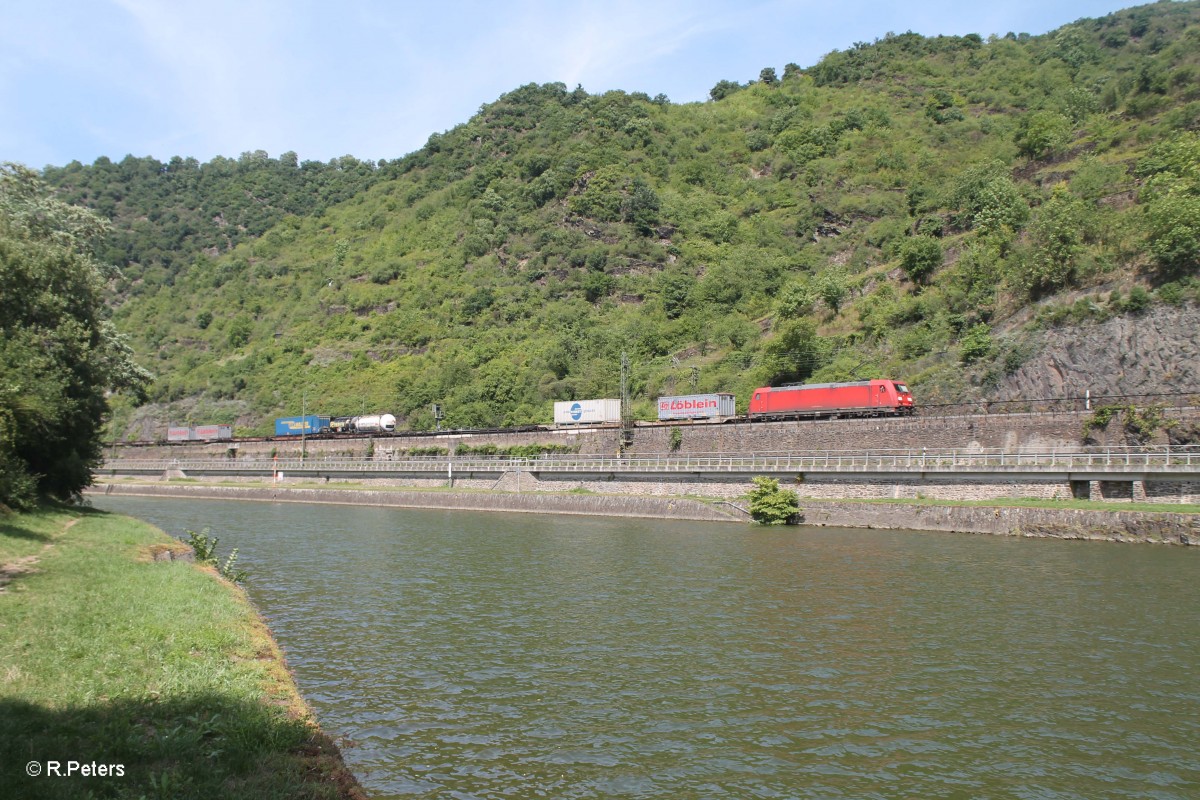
(725, 486)
(594, 505)
(1116, 526)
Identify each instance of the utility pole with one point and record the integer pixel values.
(303, 424)
(626, 407)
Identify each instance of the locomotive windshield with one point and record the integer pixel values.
(901, 388)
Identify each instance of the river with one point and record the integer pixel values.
(488, 655)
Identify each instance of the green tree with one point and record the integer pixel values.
(770, 505)
(1173, 231)
(976, 344)
(675, 291)
(1171, 202)
(723, 89)
(641, 207)
(1042, 134)
(831, 285)
(59, 354)
(794, 353)
(941, 108)
(767, 76)
(919, 257)
(987, 199)
(1056, 243)
(795, 300)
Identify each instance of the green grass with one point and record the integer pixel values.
(27, 534)
(163, 668)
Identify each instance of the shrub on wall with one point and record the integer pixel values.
(770, 505)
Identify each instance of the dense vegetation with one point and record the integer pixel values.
(59, 353)
(897, 209)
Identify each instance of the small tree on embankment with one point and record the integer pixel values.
(770, 505)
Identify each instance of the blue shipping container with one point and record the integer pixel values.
(296, 426)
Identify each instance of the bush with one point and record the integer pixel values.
(205, 547)
(976, 344)
(919, 257)
(770, 505)
(1042, 134)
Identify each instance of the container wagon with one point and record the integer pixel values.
(178, 433)
(860, 398)
(212, 433)
(696, 406)
(587, 412)
(200, 433)
(298, 426)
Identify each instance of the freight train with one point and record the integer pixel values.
(768, 403)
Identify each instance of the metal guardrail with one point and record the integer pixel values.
(1184, 458)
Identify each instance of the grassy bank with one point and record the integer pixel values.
(162, 668)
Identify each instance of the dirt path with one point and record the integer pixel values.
(10, 570)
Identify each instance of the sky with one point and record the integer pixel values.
(80, 79)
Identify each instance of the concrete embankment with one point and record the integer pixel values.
(1064, 523)
(1061, 523)
(540, 502)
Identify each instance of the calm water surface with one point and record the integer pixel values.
(503, 655)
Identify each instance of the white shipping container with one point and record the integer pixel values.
(587, 412)
(179, 434)
(696, 406)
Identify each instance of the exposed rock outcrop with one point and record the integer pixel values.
(1157, 352)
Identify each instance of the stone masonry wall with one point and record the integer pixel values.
(1124, 526)
(821, 487)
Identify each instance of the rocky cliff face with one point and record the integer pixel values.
(1157, 352)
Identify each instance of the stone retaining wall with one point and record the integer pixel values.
(818, 486)
(1116, 526)
(593, 505)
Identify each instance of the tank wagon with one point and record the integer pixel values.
(370, 423)
(859, 398)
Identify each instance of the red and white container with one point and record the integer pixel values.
(696, 406)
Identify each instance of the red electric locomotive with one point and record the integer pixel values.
(860, 398)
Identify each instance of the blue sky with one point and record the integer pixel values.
(84, 78)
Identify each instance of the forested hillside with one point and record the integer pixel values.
(919, 208)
